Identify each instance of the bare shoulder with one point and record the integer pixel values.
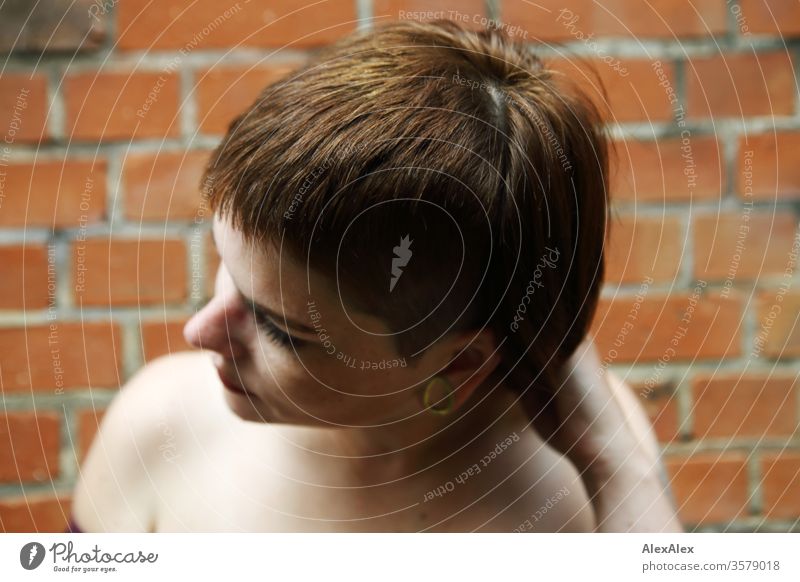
(119, 478)
(545, 494)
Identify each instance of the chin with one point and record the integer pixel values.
(244, 408)
(259, 412)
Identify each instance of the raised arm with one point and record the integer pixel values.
(606, 434)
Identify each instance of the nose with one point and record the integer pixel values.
(217, 327)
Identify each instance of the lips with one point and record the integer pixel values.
(230, 385)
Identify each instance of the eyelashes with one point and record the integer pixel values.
(279, 336)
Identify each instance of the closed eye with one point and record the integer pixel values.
(276, 334)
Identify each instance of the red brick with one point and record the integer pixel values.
(768, 168)
(660, 18)
(740, 85)
(709, 487)
(120, 106)
(82, 354)
(761, 17)
(471, 13)
(53, 193)
(726, 405)
(225, 92)
(778, 331)
(205, 24)
(644, 247)
(23, 102)
(636, 95)
(713, 330)
(129, 272)
(656, 171)
(544, 19)
(29, 446)
(763, 248)
(661, 406)
(164, 185)
(160, 338)
(88, 422)
(24, 277)
(780, 482)
(35, 514)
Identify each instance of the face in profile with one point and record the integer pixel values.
(282, 333)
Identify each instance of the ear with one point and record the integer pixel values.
(474, 356)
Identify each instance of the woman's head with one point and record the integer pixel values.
(280, 330)
(427, 201)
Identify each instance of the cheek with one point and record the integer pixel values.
(379, 395)
(301, 380)
(335, 389)
(344, 395)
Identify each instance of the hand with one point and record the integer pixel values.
(601, 427)
(596, 420)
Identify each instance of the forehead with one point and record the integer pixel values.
(264, 274)
(283, 284)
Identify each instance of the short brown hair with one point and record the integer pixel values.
(492, 165)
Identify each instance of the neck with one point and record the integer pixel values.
(399, 450)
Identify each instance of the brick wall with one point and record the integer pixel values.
(108, 111)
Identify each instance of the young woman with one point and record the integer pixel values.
(411, 234)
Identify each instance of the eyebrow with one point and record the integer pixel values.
(263, 309)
